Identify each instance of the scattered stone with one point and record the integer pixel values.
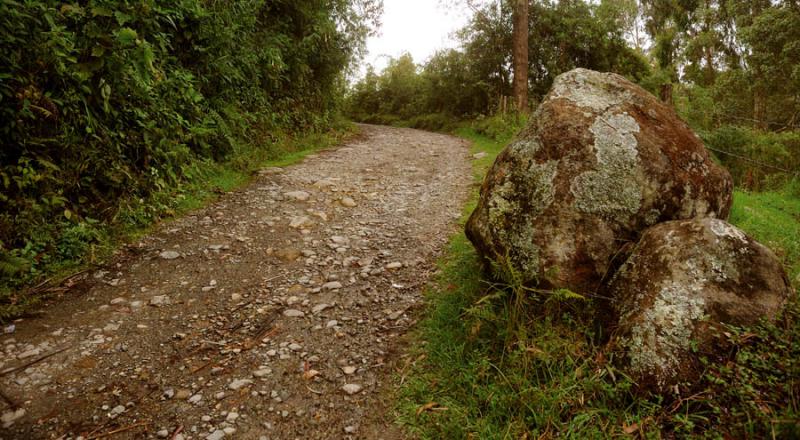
(395, 315)
(9, 417)
(348, 370)
(239, 383)
(352, 388)
(159, 300)
(300, 196)
(119, 300)
(288, 254)
(293, 313)
(29, 353)
(162, 433)
(262, 372)
(216, 435)
(394, 265)
(301, 222)
(319, 308)
(197, 398)
(350, 429)
(183, 394)
(332, 285)
(480, 155)
(169, 255)
(231, 417)
(268, 171)
(347, 202)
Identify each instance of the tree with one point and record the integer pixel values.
(520, 43)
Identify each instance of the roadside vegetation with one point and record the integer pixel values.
(497, 360)
(114, 115)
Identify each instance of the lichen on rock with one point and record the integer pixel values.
(683, 282)
(600, 160)
(612, 188)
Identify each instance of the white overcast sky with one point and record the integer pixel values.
(418, 27)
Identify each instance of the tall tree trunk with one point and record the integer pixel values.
(520, 43)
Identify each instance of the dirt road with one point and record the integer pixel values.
(274, 313)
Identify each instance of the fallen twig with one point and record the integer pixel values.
(178, 430)
(117, 431)
(34, 361)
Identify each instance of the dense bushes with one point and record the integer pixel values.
(104, 101)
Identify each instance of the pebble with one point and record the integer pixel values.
(350, 429)
(352, 388)
(293, 313)
(216, 435)
(196, 399)
(319, 308)
(348, 370)
(116, 301)
(300, 196)
(238, 383)
(169, 255)
(332, 285)
(300, 222)
(263, 372)
(159, 300)
(232, 416)
(394, 265)
(347, 202)
(162, 434)
(8, 418)
(119, 409)
(182, 394)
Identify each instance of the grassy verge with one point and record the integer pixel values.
(485, 370)
(87, 242)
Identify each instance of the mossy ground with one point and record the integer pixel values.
(490, 363)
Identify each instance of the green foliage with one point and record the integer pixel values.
(757, 160)
(500, 127)
(500, 362)
(473, 81)
(105, 103)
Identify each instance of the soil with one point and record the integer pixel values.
(275, 313)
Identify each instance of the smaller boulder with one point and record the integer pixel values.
(683, 281)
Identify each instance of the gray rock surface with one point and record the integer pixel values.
(600, 161)
(683, 281)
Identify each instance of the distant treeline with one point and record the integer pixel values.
(103, 101)
(730, 67)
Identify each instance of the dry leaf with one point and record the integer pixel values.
(630, 429)
(310, 374)
(427, 407)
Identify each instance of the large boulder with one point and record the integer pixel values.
(682, 281)
(601, 160)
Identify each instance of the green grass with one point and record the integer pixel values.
(88, 243)
(773, 218)
(483, 369)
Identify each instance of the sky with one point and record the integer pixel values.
(419, 27)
